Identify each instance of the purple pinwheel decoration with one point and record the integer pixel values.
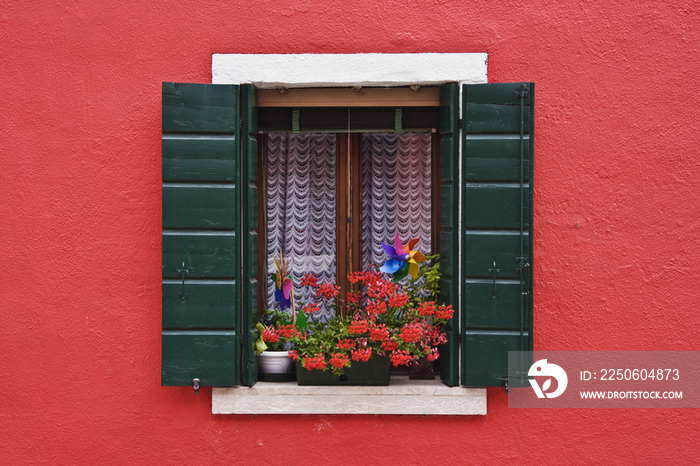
(402, 260)
(283, 284)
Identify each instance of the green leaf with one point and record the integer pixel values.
(260, 345)
(301, 322)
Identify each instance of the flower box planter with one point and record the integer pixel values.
(376, 371)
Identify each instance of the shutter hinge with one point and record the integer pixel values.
(523, 92)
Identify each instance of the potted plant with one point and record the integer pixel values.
(274, 363)
(383, 323)
(273, 345)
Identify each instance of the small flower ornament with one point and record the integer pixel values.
(402, 259)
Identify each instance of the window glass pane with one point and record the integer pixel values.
(301, 192)
(396, 192)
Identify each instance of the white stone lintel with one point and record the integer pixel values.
(356, 69)
(403, 396)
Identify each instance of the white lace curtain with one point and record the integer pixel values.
(301, 207)
(396, 192)
(301, 200)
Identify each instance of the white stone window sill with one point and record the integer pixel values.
(403, 396)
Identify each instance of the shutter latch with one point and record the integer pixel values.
(183, 271)
(195, 384)
(523, 264)
(506, 387)
(494, 271)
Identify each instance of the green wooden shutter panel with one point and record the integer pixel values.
(201, 244)
(249, 203)
(496, 315)
(449, 215)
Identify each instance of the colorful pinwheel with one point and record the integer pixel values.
(283, 284)
(402, 260)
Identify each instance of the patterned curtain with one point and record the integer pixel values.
(396, 192)
(301, 207)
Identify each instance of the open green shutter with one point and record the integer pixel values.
(497, 168)
(201, 244)
(249, 235)
(449, 216)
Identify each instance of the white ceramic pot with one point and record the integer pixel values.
(274, 362)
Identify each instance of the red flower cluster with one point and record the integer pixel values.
(389, 345)
(371, 277)
(426, 308)
(293, 354)
(444, 312)
(378, 333)
(270, 336)
(353, 297)
(285, 331)
(380, 289)
(311, 308)
(398, 300)
(309, 280)
(411, 333)
(362, 354)
(375, 307)
(346, 343)
(339, 360)
(317, 362)
(327, 290)
(433, 355)
(400, 357)
(358, 327)
(356, 277)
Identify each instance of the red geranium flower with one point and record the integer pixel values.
(327, 290)
(411, 333)
(356, 277)
(309, 280)
(317, 362)
(362, 354)
(358, 327)
(426, 308)
(378, 333)
(444, 312)
(285, 331)
(398, 299)
(433, 355)
(389, 345)
(375, 307)
(339, 360)
(270, 336)
(399, 357)
(380, 289)
(311, 308)
(346, 343)
(353, 297)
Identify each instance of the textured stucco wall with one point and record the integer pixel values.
(617, 221)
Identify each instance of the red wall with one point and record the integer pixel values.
(617, 228)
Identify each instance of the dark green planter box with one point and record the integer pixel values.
(376, 371)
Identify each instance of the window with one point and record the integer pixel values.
(328, 200)
(210, 242)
